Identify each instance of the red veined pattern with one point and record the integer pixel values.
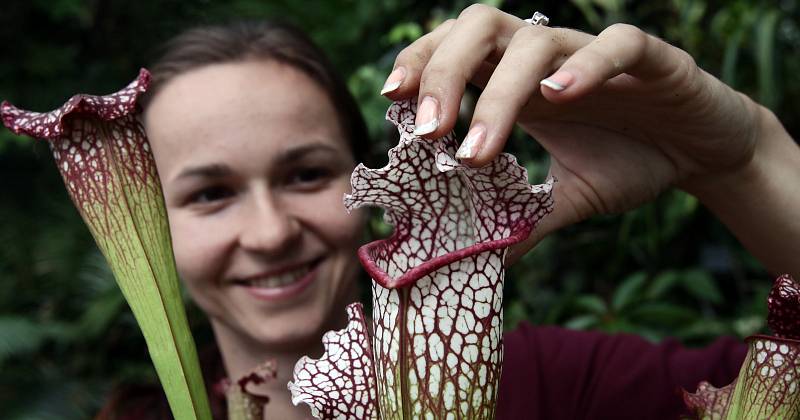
(709, 402)
(341, 384)
(784, 308)
(767, 386)
(244, 404)
(101, 149)
(437, 289)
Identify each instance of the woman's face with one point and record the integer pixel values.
(254, 164)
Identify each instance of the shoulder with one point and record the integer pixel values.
(570, 373)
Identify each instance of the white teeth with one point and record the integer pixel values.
(284, 279)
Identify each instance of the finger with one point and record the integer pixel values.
(619, 49)
(532, 54)
(475, 37)
(403, 81)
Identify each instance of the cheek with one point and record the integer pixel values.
(199, 253)
(326, 215)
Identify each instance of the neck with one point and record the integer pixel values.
(241, 354)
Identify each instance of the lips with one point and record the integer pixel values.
(286, 284)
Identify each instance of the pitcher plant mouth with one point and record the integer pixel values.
(53, 125)
(101, 150)
(431, 198)
(366, 252)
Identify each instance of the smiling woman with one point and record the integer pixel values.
(255, 138)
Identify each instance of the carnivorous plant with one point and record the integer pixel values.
(101, 150)
(435, 350)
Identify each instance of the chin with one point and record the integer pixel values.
(300, 340)
(295, 332)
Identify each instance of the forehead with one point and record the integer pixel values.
(250, 109)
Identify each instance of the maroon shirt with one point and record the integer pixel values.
(555, 373)
(548, 373)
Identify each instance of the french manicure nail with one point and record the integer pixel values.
(558, 81)
(427, 117)
(472, 143)
(394, 80)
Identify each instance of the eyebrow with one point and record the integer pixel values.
(305, 149)
(217, 170)
(214, 170)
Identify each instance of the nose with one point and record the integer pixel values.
(267, 227)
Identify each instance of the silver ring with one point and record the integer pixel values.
(538, 19)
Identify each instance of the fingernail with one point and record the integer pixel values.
(472, 143)
(427, 116)
(558, 81)
(394, 80)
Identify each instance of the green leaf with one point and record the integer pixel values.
(19, 335)
(591, 303)
(765, 52)
(629, 291)
(703, 330)
(7, 138)
(749, 325)
(662, 313)
(701, 285)
(582, 322)
(514, 313)
(662, 283)
(731, 57)
(100, 313)
(588, 12)
(404, 32)
(621, 325)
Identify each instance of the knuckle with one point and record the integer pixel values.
(415, 54)
(560, 36)
(593, 61)
(434, 75)
(687, 70)
(447, 24)
(628, 38)
(535, 38)
(686, 60)
(443, 27)
(405, 56)
(630, 33)
(475, 10)
(623, 29)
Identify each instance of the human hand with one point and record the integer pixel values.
(635, 115)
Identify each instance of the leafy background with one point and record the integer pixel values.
(666, 269)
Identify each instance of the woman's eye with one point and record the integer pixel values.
(210, 195)
(309, 176)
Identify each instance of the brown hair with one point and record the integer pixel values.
(261, 40)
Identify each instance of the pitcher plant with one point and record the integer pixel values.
(101, 150)
(435, 348)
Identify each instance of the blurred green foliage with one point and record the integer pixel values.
(668, 268)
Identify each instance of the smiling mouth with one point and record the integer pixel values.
(282, 280)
